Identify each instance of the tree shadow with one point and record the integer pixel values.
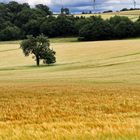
(29, 67)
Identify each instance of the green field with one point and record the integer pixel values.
(92, 92)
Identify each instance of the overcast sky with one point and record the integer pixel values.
(81, 5)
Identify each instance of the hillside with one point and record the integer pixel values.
(106, 61)
(134, 14)
(92, 92)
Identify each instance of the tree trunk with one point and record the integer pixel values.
(37, 61)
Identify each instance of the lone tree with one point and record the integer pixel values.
(40, 47)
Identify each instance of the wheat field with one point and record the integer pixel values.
(92, 92)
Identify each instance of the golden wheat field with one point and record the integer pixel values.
(91, 93)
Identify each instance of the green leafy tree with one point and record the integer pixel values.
(10, 33)
(49, 28)
(124, 29)
(117, 19)
(32, 27)
(96, 29)
(65, 11)
(81, 22)
(65, 25)
(40, 48)
(42, 10)
(24, 17)
(61, 26)
(137, 27)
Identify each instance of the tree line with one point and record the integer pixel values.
(19, 20)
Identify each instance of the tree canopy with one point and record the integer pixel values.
(19, 20)
(40, 47)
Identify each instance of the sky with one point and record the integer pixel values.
(83, 5)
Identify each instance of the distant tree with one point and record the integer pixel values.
(61, 26)
(65, 11)
(117, 19)
(83, 12)
(81, 22)
(65, 25)
(43, 10)
(49, 28)
(124, 9)
(25, 6)
(137, 27)
(96, 29)
(90, 12)
(24, 16)
(10, 33)
(124, 29)
(40, 48)
(32, 27)
(4, 12)
(19, 20)
(14, 7)
(108, 11)
(138, 19)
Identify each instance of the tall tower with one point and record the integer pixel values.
(93, 4)
(134, 1)
(62, 7)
